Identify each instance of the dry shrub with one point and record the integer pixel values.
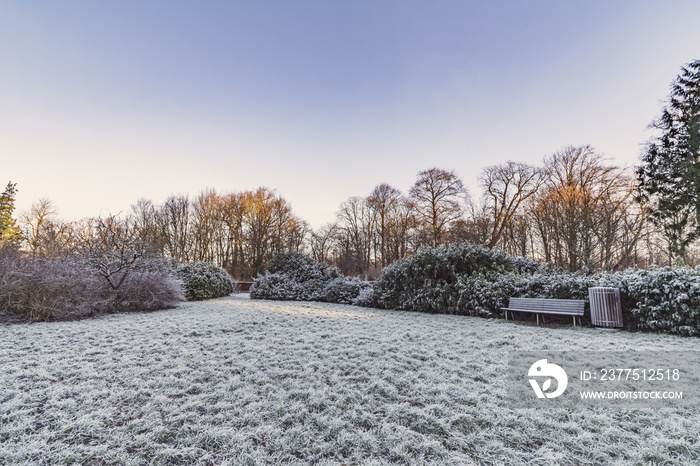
(148, 291)
(46, 290)
(42, 290)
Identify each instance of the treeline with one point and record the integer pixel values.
(574, 210)
(239, 231)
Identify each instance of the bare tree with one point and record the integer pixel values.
(259, 224)
(436, 197)
(57, 237)
(585, 213)
(295, 233)
(232, 212)
(238, 231)
(284, 226)
(35, 222)
(506, 187)
(112, 247)
(477, 227)
(146, 221)
(322, 242)
(382, 200)
(518, 238)
(205, 225)
(174, 221)
(620, 222)
(401, 229)
(370, 233)
(356, 223)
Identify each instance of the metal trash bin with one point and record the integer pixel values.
(606, 309)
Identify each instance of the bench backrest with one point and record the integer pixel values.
(559, 306)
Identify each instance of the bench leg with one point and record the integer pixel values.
(574, 321)
(538, 320)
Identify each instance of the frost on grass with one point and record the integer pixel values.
(236, 382)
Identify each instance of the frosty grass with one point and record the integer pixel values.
(233, 381)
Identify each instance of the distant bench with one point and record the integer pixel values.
(242, 287)
(567, 307)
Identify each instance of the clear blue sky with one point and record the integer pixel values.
(105, 102)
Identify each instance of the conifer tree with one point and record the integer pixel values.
(670, 172)
(9, 231)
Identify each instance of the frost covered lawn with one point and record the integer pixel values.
(232, 381)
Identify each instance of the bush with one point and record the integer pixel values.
(63, 289)
(365, 298)
(486, 295)
(470, 280)
(41, 290)
(662, 299)
(147, 291)
(430, 280)
(659, 299)
(282, 288)
(343, 290)
(202, 280)
(300, 268)
(295, 277)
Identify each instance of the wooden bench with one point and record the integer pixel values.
(568, 307)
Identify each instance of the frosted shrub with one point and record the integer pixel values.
(432, 279)
(301, 268)
(40, 290)
(65, 288)
(148, 291)
(343, 290)
(467, 279)
(471, 280)
(202, 280)
(485, 295)
(295, 277)
(365, 298)
(283, 288)
(660, 299)
(665, 299)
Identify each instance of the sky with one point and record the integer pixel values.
(102, 103)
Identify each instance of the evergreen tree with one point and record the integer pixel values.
(670, 172)
(9, 231)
